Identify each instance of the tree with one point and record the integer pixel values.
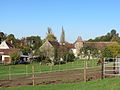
(112, 50)
(12, 39)
(26, 50)
(15, 55)
(116, 39)
(50, 35)
(88, 51)
(106, 52)
(113, 33)
(105, 38)
(62, 52)
(70, 57)
(2, 36)
(34, 42)
(49, 30)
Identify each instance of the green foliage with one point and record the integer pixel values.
(108, 37)
(2, 36)
(111, 50)
(70, 57)
(34, 42)
(30, 44)
(50, 35)
(12, 38)
(46, 61)
(116, 39)
(88, 51)
(15, 55)
(107, 52)
(25, 49)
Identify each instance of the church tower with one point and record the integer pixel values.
(62, 38)
(78, 45)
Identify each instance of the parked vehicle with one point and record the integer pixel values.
(21, 62)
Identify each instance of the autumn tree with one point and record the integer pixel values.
(112, 50)
(116, 39)
(50, 35)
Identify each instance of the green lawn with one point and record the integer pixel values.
(106, 84)
(20, 70)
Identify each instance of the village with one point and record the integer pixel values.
(33, 48)
(37, 57)
(59, 45)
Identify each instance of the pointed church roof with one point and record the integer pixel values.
(62, 38)
(79, 39)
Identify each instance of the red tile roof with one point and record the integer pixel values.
(7, 51)
(99, 45)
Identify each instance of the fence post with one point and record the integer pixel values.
(59, 65)
(85, 72)
(33, 75)
(102, 69)
(40, 67)
(114, 66)
(9, 72)
(51, 67)
(26, 68)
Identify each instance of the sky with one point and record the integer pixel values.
(85, 18)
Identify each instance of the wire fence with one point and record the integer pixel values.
(35, 74)
(112, 68)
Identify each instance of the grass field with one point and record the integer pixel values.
(106, 84)
(21, 70)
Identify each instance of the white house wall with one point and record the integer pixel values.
(3, 57)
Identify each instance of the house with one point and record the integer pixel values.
(6, 48)
(49, 49)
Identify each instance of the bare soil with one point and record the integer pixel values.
(69, 76)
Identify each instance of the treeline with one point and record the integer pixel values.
(110, 36)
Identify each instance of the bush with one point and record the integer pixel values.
(59, 62)
(70, 57)
(46, 61)
(15, 55)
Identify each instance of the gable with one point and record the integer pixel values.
(4, 45)
(46, 45)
